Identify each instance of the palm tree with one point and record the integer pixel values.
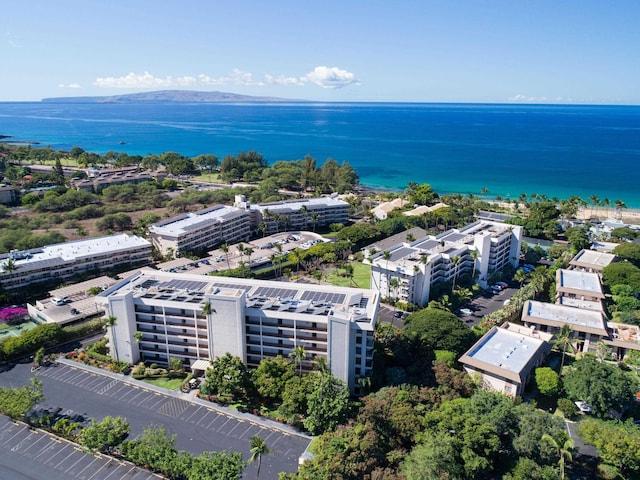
(321, 365)
(474, 257)
(564, 339)
(207, 309)
(298, 354)
(262, 228)
(387, 256)
(520, 276)
(564, 451)
(314, 219)
(225, 249)
(248, 251)
(595, 201)
(111, 322)
(304, 211)
(456, 261)
(394, 283)
(241, 251)
(258, 448)
(9, 266)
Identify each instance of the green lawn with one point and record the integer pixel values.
(168, 383)
(361, 276)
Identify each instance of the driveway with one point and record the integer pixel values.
(484, 305)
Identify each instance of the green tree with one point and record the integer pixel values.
(207, 162)
(564, 340)
(105, 435)
(621, 273)
(564, 450)
(618, 444)
(111, 322)
(440, 329)
(328, 404)
(228, 378)
(16, 402)
(216, 466)
(298, 355)
(629, 251)
(520, 276)
(547, 381)
(601, 385)
(258, 448)
(435, 458)
(271, 377)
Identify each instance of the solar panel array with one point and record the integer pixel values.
(274, 292)
(183, 285)
(364, 301)
(246, 288)
(324, 297)
(149, 283)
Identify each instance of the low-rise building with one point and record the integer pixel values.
(8, 194)
(382, 210)
(197, 319)
(478, 249)
(579, 285)
(65, 260)
(505, 357)
(591, 261)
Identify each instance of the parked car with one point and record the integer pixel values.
(502, 284)
(74, 311)
(466, 311)
(583, 406)
(59, 300)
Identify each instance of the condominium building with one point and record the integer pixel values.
(505, 356)
(579, 288)
(201, 230)
(299, 214)
(197, 319)
(231, 224)
(65, 260)
(591, 261)
(408, 271)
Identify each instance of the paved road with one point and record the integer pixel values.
(198, 425)
(29, 454)
(484, 305)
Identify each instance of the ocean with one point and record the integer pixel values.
(555, 150)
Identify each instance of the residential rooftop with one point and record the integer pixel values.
(287, 206)
(576, 280)
(557, 315)
(183, 224)
(505, 351)
(592, 259)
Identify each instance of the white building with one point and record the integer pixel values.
(592, 261)
(248, 318)
(231, 224)
(505, 356)
(65, 260)
(579, 288)
(420, 264)
(201, 230)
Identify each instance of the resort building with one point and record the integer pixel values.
(591, 261)
(231, 224)
(407, 271)
(201, 230)
(54, 263)
(197, 319)
(505, 357)
(106, 178)
(300, 214)
(8, 194)
(578, 285)
(382, 210)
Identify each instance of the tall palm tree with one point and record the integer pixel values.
(138, 338)
(304, 211)
(320, 364)
(298, 354)
(248, 252)
(474, 257)
(314, 218)
(111, 322)
(564, 339)
(520, 276)
(241, 251)
(207, 309)
(225, 249)
(258, 448)
(564, 451)
(9, 266)
(456, 261)
(387, 256)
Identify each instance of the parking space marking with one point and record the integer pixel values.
(173, 408)
(90, 463)
(107, 387)
(140, 392)
(51, 447)
(20, 430)
(32, 443)
(195, 410)
(222, 426)
(70, 469)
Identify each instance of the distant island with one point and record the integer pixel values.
(176, 96)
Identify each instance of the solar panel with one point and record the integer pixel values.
(364, 301)
(273, 292)
(183, 285)
(246, 288)
(324, 297)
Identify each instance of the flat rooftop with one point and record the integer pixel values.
(556, 315)
(503, 351)
(69, 251)
(192, 221)
(265, 295)
(579, 303)
(592, 259)
(295, 205)
(578, 280)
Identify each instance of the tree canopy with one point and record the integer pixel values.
(440, 329)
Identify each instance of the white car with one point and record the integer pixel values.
(59, 300)
(583, 406)
(466, 311)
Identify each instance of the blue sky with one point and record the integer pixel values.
(542, 51)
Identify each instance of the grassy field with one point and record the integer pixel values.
(361, 276)
(169, 384)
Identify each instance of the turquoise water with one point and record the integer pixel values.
(508, 149)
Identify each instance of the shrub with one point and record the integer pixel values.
(567, 407)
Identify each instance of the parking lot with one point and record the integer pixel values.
(484, 305)
(199, 425)
(26, 453)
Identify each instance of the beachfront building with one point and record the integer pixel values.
(106, 178)
(592, 261)
(197, 319)
(299, 214)
(579, 289)
(505, 356)
(479, 249)
(382, 211)
(62, 261)
(201, 230)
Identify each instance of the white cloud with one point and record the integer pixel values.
(323, 76)
(69, 85)
(284, 80)
(333, 77)
(528, 99)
